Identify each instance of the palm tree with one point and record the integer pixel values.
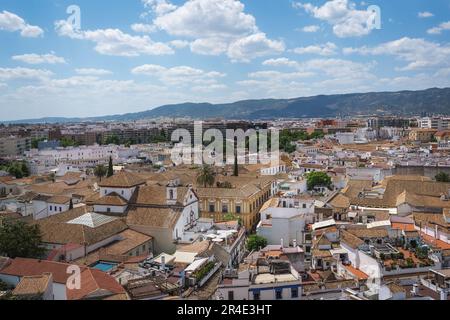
(100, 171)
(206, 176)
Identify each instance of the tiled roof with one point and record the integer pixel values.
(130, 240)
(92, 280)
(353, 241)
(153, 217)
(112, 199)
(56, 229)
(59, 200)
(32, 285)
(155, 195)
(123, 179)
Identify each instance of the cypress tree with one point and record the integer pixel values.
(110, 168)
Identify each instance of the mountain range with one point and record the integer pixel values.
(406, 103)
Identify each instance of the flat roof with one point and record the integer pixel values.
(265, 278)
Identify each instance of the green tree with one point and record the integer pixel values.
(35, 143)
(442, 177)
(110, 168)
(18, 239)
(315, 179)
(67, 142)
(100, 171)
(18, 169)
(236, 165)
(25, 170)
(206, 176)
(113, 139)
(224, 185)
(255, 242)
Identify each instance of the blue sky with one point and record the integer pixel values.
(134, 55)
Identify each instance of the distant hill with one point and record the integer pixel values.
(433, 100)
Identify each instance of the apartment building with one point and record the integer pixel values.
(14, 146)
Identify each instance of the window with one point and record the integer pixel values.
(171, 194)
(212, 208)
(279, 294)
(60, 209)
(224, 208)
(238, 209)
(304, 206)
(230, 295)
(108, 210)
(294, 293)
(256, 296)
(51, 208)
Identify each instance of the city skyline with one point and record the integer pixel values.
(138, 56)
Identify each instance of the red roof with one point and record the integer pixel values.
(92, 280)
(358, 273)
(435, 242)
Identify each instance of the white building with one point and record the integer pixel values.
(284, 220)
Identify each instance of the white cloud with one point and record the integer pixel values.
(327, 49)
(209, 46)
(253, 46)
(281, 62)
(114, 42)
(438, 30)
(143, 28)
(180, 75)
(24, 73)
(218, 27)
(33, 58)
(347, 21)
(310, 29)
(418, 53)
(159, 6)
(425, 14)
(93, 72)
(179, 44)
(12, 22)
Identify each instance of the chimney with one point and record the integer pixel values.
(444, 294)
(415, 290)
(163, 263)
(171, 192)
(295, 243)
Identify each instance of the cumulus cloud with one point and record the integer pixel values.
(346, 19)
(33, 58)
(438, 30)
(180, 75)
(310, 29)
(114, 42)
(12, 22)
(327, 49)
(418, 53)
(143, 28)
(425, 14)
(217, 27)
(93, 72)
(24, 73)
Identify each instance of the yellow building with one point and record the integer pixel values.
(422, 135)
(243, 200)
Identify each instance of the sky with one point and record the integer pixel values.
(123, 56)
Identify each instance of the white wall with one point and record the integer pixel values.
(126, 193)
